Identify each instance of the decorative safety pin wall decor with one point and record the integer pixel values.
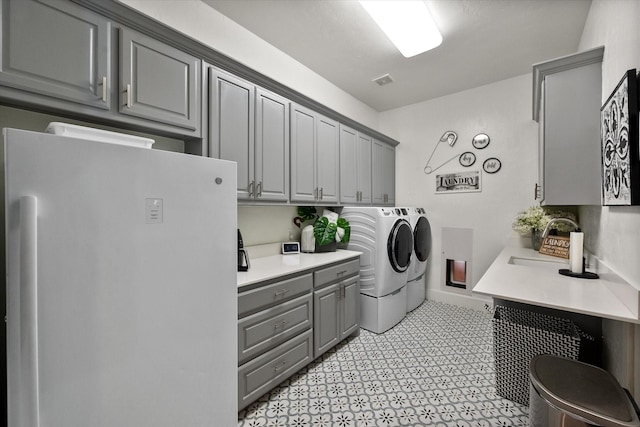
(450, 137)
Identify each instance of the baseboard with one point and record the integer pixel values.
(473, 302)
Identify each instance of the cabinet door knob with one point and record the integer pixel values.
(259, 188)
(251, 188)
(321, 195)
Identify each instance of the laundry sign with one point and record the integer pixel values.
(458, 182)
(557, 246)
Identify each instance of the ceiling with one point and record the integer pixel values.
(484, 41)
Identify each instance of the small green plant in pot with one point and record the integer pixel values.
(329, 230)
(533, 221)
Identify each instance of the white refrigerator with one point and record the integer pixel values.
(121, 285)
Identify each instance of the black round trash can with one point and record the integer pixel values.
(565, 392)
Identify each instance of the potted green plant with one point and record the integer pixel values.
(329, 229)
(533, 221)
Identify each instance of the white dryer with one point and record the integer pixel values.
(385, 238)
(416, 291)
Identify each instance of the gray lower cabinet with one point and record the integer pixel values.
(56, 49)
(315, 153)
(383, 173)
(263, 373)
(284, 324)
(335, 314)
(158, 82)
(275, 337)
(250, 125)
(268, 328)
(335, 305)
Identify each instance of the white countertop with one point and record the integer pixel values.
(274, 266)
(607, 297)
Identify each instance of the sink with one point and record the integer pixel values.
(538, 263)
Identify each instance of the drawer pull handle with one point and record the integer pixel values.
(280, 365)
(104, 89)
(281, 292)
(340, 273)
(128, 96)
(281, 324)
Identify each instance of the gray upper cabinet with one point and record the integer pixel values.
(272, 147)
(363, 165)
(567, 108)
(57, 49)
(314, 157)
(250, 125)
(383, 173)
(231, 126)
(158, 82)
(355, 166)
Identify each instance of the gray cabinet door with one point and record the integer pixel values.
(271, 147)
(383, 173)
(231, 126)
(56, 49)
(158, 82)
(327, 159)
(363, 165)
(349, 306)
(348, 165)
(390, 174)
(326, 321)
(571, 137)
(303, 164)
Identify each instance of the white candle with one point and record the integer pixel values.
(576, 241)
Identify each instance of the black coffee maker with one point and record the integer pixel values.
(243, 256)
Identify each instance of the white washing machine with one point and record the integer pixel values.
(385, 238)
(416, 291)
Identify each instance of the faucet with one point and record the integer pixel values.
(554, 220)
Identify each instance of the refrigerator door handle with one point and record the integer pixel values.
(29, 389)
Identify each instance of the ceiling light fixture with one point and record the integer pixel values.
(407, 23)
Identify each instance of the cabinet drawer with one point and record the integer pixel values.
(267, 295)
(336, 272)
(268, 328)
(265, 372)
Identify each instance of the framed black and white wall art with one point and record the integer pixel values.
(619, 144)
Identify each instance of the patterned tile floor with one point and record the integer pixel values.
(434, 368)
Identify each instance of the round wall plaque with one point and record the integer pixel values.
(491, 165)
(481, 141)
(467, 159)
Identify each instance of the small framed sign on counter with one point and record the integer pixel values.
(557, 246)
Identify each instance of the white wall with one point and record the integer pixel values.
(612, 232)
(503, 111)
(203, 23)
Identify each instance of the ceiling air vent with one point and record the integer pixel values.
(383, 80)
